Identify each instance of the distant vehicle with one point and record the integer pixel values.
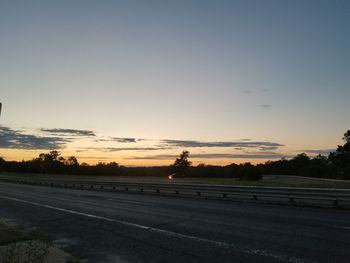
(176, 175)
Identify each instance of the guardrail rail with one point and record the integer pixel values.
(317, 196)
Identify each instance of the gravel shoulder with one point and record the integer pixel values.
(17, 246)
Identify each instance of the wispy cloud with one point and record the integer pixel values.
(119, 149)
(69, 132)
(96, 157)
(321, 151)
(240, 144)
(124, 140)
(14, 139)
(117, 139)
(268, 148)
(265, 106)
(116, 149)
(211, 156)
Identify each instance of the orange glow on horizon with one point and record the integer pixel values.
(19, 155)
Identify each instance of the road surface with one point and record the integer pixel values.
(124, 227)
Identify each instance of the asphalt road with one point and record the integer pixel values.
(124, 227)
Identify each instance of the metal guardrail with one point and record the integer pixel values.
(318, 196)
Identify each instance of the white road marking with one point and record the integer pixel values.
(343, 227)
(58, 208)
(254, 252)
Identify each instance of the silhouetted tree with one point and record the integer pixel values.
(111, 168)
(71, 161)
(182, 163)
(346, 137)
(300, 163)
(278, 167)
(340, 159)
(247, 171)
(319, 167)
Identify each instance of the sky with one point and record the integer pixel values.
(137, 82)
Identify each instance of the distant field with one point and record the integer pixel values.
(268, 181)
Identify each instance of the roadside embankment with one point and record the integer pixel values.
(17, 246)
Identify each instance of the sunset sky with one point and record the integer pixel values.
(137, 82)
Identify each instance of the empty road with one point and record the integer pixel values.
(124, 227)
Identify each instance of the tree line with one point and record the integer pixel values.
(335, 166)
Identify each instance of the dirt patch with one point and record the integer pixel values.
(9, 235)
(19, 247)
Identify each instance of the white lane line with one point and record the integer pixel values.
(343, 227)
(58, 208)
(254, 252)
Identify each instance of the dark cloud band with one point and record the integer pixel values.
(119, 149)
(69, 132)
(212, 156)
(242, 144)
(13, 139)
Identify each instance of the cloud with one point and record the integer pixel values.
(268, 148)
(247, 91)
(69, 132)
(265, 106)
(119, 149)
(322, 152)
(124, 140)
(212, 156)
(13, 139)
(96, 157)
(118, 139)
(116, 149)
(239, 144)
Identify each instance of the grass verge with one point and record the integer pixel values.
(276, 181)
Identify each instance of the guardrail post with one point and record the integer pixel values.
(199, 193)
(224, 195)
(335, 202)
(176, 192)
(126, 189)
(158, 191)
(114, 188)
(255, 197)
(141, 189)
(91, 187)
